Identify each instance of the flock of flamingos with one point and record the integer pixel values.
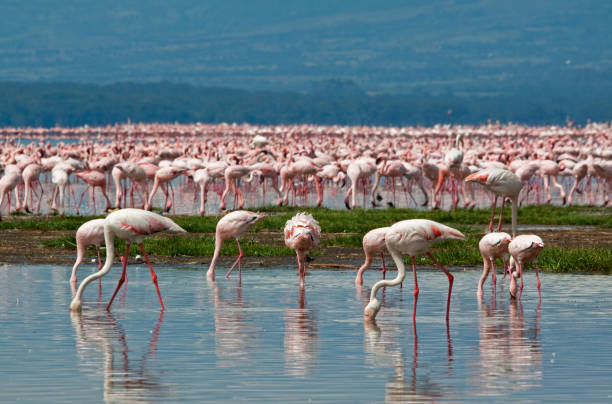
(458, 164)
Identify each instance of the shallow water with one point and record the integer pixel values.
(269, 341)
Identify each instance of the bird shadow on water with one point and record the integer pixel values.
(125, 379)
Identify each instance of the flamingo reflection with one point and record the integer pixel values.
(510, 352)
(124, 380)
(300, 338)
(235, 334)
(404, 386)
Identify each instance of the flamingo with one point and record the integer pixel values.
(373, 243)
(524, 248)
(302, 233)
(31, 174)
(163, 178)
(93, 179)
(89, 233)
(131, 225)
(502, 183)
(232, 225)
(9, 182)
(491, 246)
(413, 237)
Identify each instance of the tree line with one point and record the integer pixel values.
(72, 104)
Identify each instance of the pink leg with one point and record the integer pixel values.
(123, 275)
(384, 269)
(416, 290)
(153, 274)
(99, 268)
(450, 282)
(236, 262)
(493, 206)
(520, 265)
(493, 277)
(538, 277)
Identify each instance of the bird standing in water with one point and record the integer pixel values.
(491, 246)
(131, 225)
(232, 226)
(302, 233)
(373, 243)
(522, 249)
(413, 237)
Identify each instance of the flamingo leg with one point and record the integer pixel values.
(450, 282)
(493, 205)
(538, 277)
(153, 274)
(123, 276)
(236, 262)
(99, 268)
(384, 268)
(416, 290)
(493, 277)
(520, 265)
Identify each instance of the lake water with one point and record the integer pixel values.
(268, 341)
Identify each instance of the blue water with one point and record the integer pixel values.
(267, 341)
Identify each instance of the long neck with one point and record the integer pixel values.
(401, 274)
(109, 239)
(213, 262)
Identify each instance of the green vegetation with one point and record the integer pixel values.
(358, 221)
(346, 229)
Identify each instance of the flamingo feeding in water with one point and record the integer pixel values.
(491, 246)
(413, 237)
(302, 233)
(89, 233)
(131, 225)
(524, 248)
(232, 225)
(502, 183)
(373, 243)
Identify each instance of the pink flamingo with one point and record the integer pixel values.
(360, 169)
(373, 243)
(9, 182)
(302, 233)
(413, 237)
(523, 248)
(31, 174)
(232, 225)
(233, 174)
(502, 183)
(131, 225)
(163, 176)
(93, 179)
(89, 233)
(491, 246)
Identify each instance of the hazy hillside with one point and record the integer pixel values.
(473, 47)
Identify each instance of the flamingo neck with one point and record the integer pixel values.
(401, 274)
(109, 240)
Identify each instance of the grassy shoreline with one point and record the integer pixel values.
(346, 229)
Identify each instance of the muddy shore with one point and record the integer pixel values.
(26, 247)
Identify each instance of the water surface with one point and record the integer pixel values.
(265, 340)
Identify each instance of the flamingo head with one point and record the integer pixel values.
(372, 309)
(76, 304)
